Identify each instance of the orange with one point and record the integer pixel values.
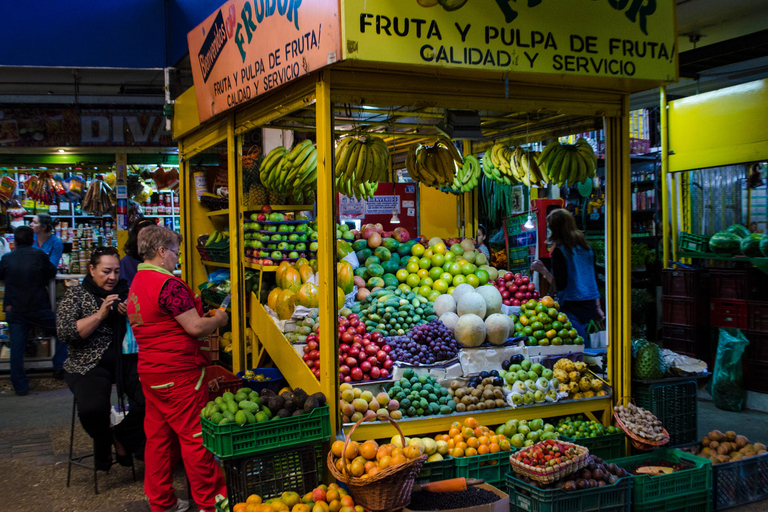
(444, 437)
(462, 445)
(467, 432)
(505, 446)
(357, 468)
(454, 432)
(483, 449)
(398, 459)
(470, 452)
(494, 439)
(337, 447)
(458, 439)
(473, 442)
(502, 437)
(451, 444)
(368, 449)
(471, 423)
(384, 451)
(240, 507)
(456, 424)
(479, 431)
(483, 440)
(254, 498)
(374, 471)
(495, 448)
(396, 451)
(385, 462)
(352, 450)
(368, 465)
(547, 301)
(457, 452)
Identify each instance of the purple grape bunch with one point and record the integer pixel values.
(425, 344)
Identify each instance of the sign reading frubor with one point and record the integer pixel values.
(633, 39)
(248, 47)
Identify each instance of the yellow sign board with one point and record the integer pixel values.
(634, 39)
(248, 47)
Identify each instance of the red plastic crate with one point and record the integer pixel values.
(758, 316)
(690, 341)
(679, 311)
(226, 381)
(755, 376)
(687, 283)
(728, 313)
(728, 284)
(757, 350)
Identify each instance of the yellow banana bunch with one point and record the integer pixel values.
(512, 165)
(571, 163)
(467, 177)
(360, 165)
(291, 172)
(436, 165)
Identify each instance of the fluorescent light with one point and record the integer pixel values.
(529, 223)
(61, 151)
(395, 219)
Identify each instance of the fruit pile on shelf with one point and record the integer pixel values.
(271, 238)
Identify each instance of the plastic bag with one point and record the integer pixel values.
(727, 379)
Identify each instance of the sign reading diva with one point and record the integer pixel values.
(248, 47)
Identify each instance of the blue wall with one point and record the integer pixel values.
(98, 33)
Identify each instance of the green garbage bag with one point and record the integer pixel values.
(727, 379)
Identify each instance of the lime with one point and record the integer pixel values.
(417, 250)
(412, 280)
(459, 279)
(441, 285)
(412, 268)
(483, 276)
(473, 280)
(402, 275)
(438, 260)
(425, 263)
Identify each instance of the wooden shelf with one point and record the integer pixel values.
(215, 264)
(218, 213)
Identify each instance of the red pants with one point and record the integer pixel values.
(171, 420)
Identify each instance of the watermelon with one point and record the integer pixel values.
(372, 260)
(359, 245)
(725, 242)
(750, 245)
(739, 230)
(363, 254)
(390, 280)
(390, 266)
(764, 246)
(375, 270)
(382, 253)
(391, 244)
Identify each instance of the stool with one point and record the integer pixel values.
(78, 461)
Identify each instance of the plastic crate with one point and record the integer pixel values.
(611, 498)
(490, 467)
(606, 447)
(688, 490)
(232, 440)
(755, 376)
(679, 311)
(275, 382)
(203, 253)
(299, 470)
(692, 341)
(688, 242)
(225, 381)
(219, 253)
(758, 316)
(728, 313)
(437, 470)
(740, 482)
(674, 404)
(686, 283)
(728, 284)
(757, 350)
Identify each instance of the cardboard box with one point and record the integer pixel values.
(498, 506)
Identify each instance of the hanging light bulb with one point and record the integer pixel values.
(529, 223)
(395, 219)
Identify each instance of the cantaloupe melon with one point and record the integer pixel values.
(468, 244)
(493, 274)
(444, 304)
(471, 304)
(492, 298)
(481, 259)
(460, 290)
(470, 256)
(449, 319)
(470, 330)
(497, 328)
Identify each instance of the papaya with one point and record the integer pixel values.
(272, 298)
(363, 254)
(361, 271)
(391, 244)
(307, 296)
(301, 261)
(345, 276)
(376, 270)
(286, 302)
(343, 248)
(390, 280)
(373, 260)
(390, 266)
(359, 245)
(281, 270)
(376, 281)
(292, 280)
(340, 297)
(305, 271)
(382, 253)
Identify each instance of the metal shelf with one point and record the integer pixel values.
(256, 266)
(218, 213)
(280, 208)
(215, 264)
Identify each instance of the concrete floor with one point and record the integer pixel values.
(34, 440)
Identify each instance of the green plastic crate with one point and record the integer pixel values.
(667, 493)
(674, 404)
(606, 447)
(490, 467)
(436, 470)
(740, 482)
(611, 498)
(231, 440)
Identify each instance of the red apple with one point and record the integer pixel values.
(360, 328)
(525, 279)
(386, 348)
(316, 371)
(515, 302)
(375, 373)
(366, 376)
(343, 321)
(266, 209)
(531, 287)
(513, 288)
(365, 366)
(371, 349)
(358, 339)
(346, 338)
(314, 354)
(509, 276)
(347, 378)
(535, 294)
(344, 369)
(384, 373)
(505, 294)
(376, 336)
(354, 351)
(351, 362)
(528, 295)
(261, 218)
(519, 295)
(388, 364)
(500, 282)
(344, 348)
(381, 356)
(507, 302)
(356, 373)
(310, 363)
(353, 316)
(372, 360)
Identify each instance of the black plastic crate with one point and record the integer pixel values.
(686, 283)
(755, 375)
(679, 311)
(740, 482)
(674, 404)
(298, 469)
(728, 284)
(693, 341)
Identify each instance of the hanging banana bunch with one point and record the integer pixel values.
(467, 176)
(291, 172)
(436, 165)
(360, 166)
(513, 165)
(572, 163)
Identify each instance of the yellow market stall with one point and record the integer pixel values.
(315, 69)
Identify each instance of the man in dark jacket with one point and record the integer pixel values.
(26, 272)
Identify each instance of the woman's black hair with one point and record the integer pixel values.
(103, 251)
(132, 244)
(479, 227)
(46, 221)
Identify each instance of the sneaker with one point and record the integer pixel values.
(180, 506)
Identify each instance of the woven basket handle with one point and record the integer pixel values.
(620, 401)
(349, 435)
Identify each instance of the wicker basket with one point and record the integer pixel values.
(639, 442)
(547, 475)
(389, 489)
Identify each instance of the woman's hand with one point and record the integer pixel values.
(122, 308)
(538, 266)
(221, 317)
(106, 305)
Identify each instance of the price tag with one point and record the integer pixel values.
(594, 216)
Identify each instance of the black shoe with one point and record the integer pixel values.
(125, 460)
(22, 393)
(103, 465)
(58, 374)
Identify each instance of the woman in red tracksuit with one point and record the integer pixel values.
(167, 320)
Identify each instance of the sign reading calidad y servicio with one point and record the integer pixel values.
(248, 47)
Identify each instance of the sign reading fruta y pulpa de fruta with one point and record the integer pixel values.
(632, 39)
(248, 47)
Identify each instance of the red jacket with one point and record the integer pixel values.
(164, 345)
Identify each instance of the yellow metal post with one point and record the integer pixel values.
(675, 224)
(236, 250)
(664, 174)
(618, 224)
(326, 235)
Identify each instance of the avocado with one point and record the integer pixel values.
(283, 413)
(298, 412)
(299, 397)
(311, 404)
